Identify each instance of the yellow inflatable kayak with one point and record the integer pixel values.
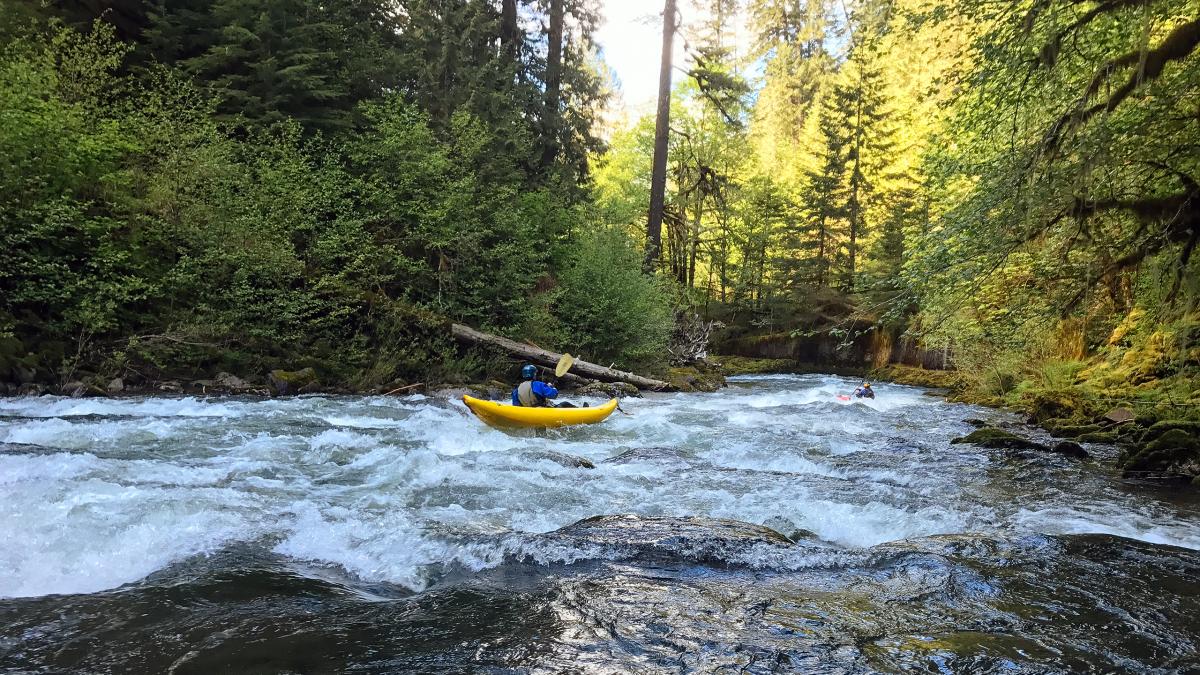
(505, 415)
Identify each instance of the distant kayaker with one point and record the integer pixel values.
(532, 393)
(864, 391)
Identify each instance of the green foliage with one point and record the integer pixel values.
(62, 151)
(143, 228)
(275, 60)
(609, 309)
(208, 181)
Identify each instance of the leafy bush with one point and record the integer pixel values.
(609, 309)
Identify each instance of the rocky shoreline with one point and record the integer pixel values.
(1154, 445)
(700, 376)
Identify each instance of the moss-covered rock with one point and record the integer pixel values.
(492, 390)
(991, 437)
(290, 381)
(1047, 405)
(919, 377)
(609, 389)
(1173, 453)
(1071, 430)
(1147, 418)
(744, 365)
(1159, 428)
(694, 378)
(1098, 437)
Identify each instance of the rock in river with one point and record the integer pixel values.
(1070, 449)
(991, 437)
(693, 539)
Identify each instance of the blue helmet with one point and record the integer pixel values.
(528, 371)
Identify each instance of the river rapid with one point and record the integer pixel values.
(767, 527)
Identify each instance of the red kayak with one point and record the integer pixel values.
(843, 397)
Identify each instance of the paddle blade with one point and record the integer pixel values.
(564, 364)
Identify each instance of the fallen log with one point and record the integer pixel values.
(542, 357)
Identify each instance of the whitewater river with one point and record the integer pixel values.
(334, 534)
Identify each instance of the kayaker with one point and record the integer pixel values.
(864, 391)
(532, 393)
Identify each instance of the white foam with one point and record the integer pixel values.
(1121, 523)
(91, 534)
(394, 489)
(47, 406)
(71, 435)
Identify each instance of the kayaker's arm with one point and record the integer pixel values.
(544, 390)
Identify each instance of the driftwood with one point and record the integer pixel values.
(689, 340)
(542, 357)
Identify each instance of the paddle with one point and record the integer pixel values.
(564, 364)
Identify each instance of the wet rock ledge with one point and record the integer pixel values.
(991, 437)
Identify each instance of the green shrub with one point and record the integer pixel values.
(609, 310)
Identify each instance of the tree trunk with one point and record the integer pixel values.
(468, 335)
(694, 244)
(856, 180)
(821, 252)
(509, 30)
(553, 83)
(658, 175)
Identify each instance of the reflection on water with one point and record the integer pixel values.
(324, 534)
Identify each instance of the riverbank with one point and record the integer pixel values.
(1112, 399)
(697, 377)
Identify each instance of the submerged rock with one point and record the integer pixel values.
(569, 461)
(691, 539)
(631, 528)
(991, 437)
(660, 455)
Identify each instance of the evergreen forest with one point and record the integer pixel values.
(1003, 189)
